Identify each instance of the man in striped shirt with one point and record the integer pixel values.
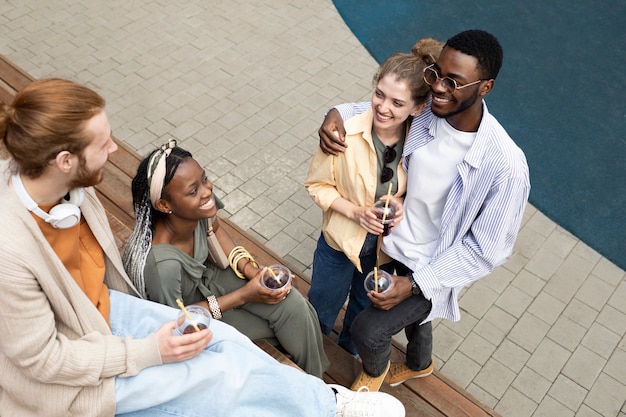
(468, 185)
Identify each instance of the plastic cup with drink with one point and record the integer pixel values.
(275, 277)
(192, 319)
(385, 211)
(378, 280)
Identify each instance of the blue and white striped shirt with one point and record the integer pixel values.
(481, 217)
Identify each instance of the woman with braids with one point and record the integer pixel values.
(167, 256)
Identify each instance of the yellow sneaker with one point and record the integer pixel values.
(372, 383)
(400, 372)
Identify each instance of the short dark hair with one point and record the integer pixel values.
(481, 45)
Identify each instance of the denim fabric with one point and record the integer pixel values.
(232, 377)
(334, 279)
(373, 329)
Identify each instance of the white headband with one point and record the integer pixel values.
(156, 171)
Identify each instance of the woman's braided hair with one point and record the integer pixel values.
(146, 216)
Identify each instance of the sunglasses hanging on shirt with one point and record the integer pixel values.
(388, 156)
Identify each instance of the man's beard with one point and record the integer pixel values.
(461, 107)
(87, 178)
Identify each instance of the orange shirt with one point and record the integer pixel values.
(83, 257)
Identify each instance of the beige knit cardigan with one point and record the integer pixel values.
(57, 355)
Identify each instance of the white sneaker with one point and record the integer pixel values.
(363, 403)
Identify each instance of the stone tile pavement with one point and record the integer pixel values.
(244, 85)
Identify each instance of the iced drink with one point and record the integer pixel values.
(275, 277)
(200, 316)
(385, 215)
(382, 285)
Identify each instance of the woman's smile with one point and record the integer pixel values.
(208, 205)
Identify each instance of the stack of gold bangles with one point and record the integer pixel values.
(238, 253)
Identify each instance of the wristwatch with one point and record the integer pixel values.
(416, 289)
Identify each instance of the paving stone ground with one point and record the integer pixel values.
(244, 85)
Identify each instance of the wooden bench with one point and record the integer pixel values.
(433, 396)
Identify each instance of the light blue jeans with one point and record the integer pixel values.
(232, 377)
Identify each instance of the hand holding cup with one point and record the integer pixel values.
(275, 277)
(378, 280)
(192, 319)
(385, 212)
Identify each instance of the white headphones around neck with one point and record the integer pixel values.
(64, 215)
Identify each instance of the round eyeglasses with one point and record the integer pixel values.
(431, 76)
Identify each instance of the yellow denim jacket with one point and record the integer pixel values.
(351, 175)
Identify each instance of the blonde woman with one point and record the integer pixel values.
(347, 185)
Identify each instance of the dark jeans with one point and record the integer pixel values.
(373, 329)
(334, 279)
